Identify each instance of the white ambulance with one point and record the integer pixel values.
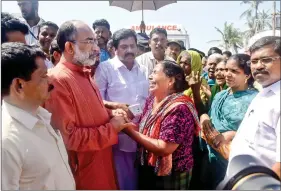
(174, 31)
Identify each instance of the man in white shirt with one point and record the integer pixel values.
(158, 44)
(29, 11)
(259, 132)
(123, 80)
(33, 153)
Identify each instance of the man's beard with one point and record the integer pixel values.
(84, 58)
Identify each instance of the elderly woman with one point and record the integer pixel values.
(165, 131)
(190, 61)
(228, 109)
(212, 62)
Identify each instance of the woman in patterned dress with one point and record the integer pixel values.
(165, 131)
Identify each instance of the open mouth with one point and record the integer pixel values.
(220, 78)
(211, 71)
(151, 83)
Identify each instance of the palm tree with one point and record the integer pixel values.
(253, 10)
(264, 21)
(257, 25)
(251, 31)
(231, 37)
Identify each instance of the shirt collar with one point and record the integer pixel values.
(150, 56)
(86, 70)
(275, 88)
(119, 64)
(27, 119)
(39, 23)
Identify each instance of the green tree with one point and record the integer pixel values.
(253, 10)
(251, 31)
(264, 21)
(232, 38)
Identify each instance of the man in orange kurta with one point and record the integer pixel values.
(88, 128)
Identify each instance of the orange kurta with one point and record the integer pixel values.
(79, 113)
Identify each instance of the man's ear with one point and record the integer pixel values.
(69, 48)
(17, 86)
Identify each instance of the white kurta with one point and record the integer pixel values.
(259, 132)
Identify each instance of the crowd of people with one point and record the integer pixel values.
(84, 108)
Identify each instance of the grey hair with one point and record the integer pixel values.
(217, 57)
(66, 33)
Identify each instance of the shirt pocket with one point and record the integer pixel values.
(265, 136)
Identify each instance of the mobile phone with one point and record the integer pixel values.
(135, 109)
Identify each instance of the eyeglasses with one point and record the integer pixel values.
(264, 61)
(93, 42)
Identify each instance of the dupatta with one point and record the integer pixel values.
(150, 126)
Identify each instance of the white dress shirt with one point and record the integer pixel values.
(118, 84)
(148, 60)
(33, 154)
(30, 40)
(259, 132)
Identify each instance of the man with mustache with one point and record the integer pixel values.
(33, 154)
(123, 80)
(102, 31)
(259, 132)
(158, 44)
(174, 49)
(47, 32)
(29, 11)
(88, 128)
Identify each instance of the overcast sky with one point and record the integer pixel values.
(198, 17)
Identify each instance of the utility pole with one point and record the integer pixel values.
(274, 17)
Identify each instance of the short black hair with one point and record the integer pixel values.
(214, 50)
(243, 60)
(34, 3)
(54, 47)
(228, 53)
(159, 31)
(49, 24)
(101, 22)
(18, 60)
(265, 41)
(202, 54)
(172, 69)
(11, 24)
(66, 32)
(123, 34)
